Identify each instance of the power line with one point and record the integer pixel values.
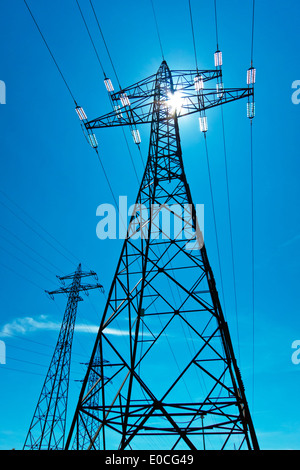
(157, 30)
(107, 179)
(95, 49)
(252, 34)
(26, 264)
(252, 259)
(228, 194)
(21, 370)
(214, 217)
(230, 228)
(53, 58)
(216, 23)
(13, 335)
(29, 256)
(46, 366)
(35, 231)
(39, 353)
(57, 270)
(105, 44)
(130, 154)
(193, 34)
(119, 84)
(252, 218)
(59, 70)
(208, 167)
(93, 44)
(111, 190)
(24, 277)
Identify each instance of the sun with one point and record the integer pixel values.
(175, 102)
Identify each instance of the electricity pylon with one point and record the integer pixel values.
(176, 383)
(87, 429)
(48, 425)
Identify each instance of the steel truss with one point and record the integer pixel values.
(48, 425)
(172, 380)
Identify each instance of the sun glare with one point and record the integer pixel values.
(175, 102)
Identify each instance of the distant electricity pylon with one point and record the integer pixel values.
(48, 426)
(89, 426)
(172, 380)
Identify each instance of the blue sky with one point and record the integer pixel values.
(51, 184)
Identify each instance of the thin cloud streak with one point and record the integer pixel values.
(25, 325)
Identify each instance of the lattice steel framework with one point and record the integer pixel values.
(87, 428)
(48, 425)
(172, 381)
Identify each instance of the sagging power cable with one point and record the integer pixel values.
(53, 58)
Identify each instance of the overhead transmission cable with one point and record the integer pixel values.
(95, 148)
(157, 30)
(47, 45)
(216, 23)
(105, 77)
(22, 370)
(60, 72)
(32, 249)
(59, 69)
(230, 227)
(26, 264)
(91, 39)
(214, 219)
(54, 60)
(23, 277)
(44, 366)
(119, 84)
(105, 44)
(252, 32)
(4, 334)
(42, 228)
(193, 34)
(27, 254)
(64, 79)
(228, 194)
(100, 63)
(36, 232)
(102, 68)
(252, 212)
(209, 172)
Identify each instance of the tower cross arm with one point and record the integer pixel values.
(82, 287)
(182, 79)
(190, 101)
(82, 274)
(210, 98)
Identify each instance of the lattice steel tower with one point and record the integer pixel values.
(48, 425)
(172, 381)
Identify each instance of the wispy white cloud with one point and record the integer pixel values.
(86, 328)
(25, 325)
